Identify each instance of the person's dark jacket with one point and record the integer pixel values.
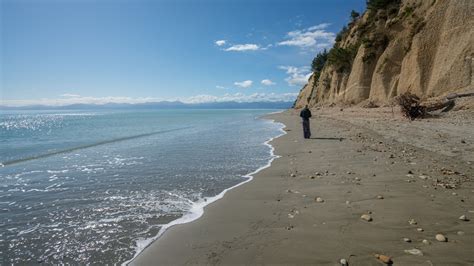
(305, 113)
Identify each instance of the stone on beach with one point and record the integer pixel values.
(344, 262)
(292, 175)
(419, 229)
(441, 238)
(414, 251)
(319, 199)
(412, 222)
(463, 218)
(366, 217)
(380, 197)
(384, 258)
(426, 242)
(406, 239)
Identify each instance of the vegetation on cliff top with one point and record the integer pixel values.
(341, 56)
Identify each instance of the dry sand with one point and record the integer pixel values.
(422, 170)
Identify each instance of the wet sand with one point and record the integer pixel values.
(359, 161)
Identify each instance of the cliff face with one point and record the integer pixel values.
(425, 47)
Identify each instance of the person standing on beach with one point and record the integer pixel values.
(305, 114)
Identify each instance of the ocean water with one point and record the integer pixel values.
(98, 186)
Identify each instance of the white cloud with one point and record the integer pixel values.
(297, 76)
(312, 37)
(243, 47)
(220, 42)
(220, 87)
(267, 82)
(70, 95)
(240, 97)
(244, 84)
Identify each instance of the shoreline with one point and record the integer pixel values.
(198, 207)
(355, 170)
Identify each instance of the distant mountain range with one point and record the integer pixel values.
(159, 105)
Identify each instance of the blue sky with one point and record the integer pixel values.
(59, 52)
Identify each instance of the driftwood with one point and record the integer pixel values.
(412, 106)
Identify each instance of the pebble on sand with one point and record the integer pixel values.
(441, 238)
(414, 251)
(412, 222)
(426, 242)
(293, 175)
(319, 199)
(463, 218)
(344, 262)
(384, 258)
(406, 239)
(366, 217)
(379, 197)
(419, 229)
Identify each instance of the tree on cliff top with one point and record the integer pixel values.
(319, 61)
(381, 4)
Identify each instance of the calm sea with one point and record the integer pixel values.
(97, 186)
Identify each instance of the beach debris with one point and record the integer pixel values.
(380, 197)
(420, 229)
(406, 239)
(463, 218)
(426, 242)
(441, 238)
(366, 217)
(319, 199)
(384, 258)
(414, 251)
(412, 222)
(343, 262)
(412, 107)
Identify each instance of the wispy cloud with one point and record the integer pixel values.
(220, 42)
(243, 84)
(243, 47)
(297, 76)
(313, 37)
(70, 95)
(267, 82)
(220, 87)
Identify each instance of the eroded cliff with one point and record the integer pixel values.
(422, 46)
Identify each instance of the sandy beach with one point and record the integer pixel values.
(412, 180)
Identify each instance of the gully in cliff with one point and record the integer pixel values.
(306, 114)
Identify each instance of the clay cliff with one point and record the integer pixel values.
(422, 46)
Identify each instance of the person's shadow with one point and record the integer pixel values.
(340, 139)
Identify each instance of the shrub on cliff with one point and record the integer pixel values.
(381, 4)
(318, 63)
(342, 58)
